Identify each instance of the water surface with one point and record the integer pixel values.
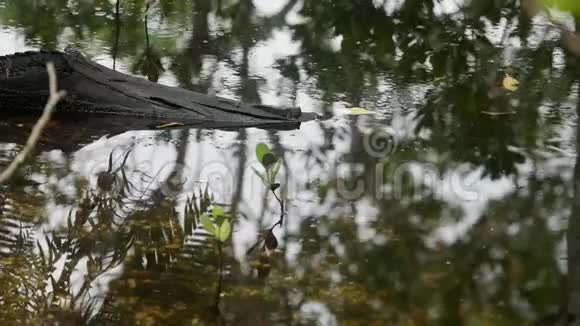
(450, 204)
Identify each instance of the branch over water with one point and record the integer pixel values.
(54, 97)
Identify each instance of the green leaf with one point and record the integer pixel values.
(218, 211)
(208, 224)
(261, 150)
(268, 160)
(276, 169)
(274, 186)
(262, 177)
(572, 6)
(224, 231)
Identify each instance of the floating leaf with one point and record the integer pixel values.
(510, 83)
(359, 111)
(224, 231)
(170, 125)
(208, 224)
(497, 114)
(261, 150)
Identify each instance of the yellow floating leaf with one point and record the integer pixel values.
(496, 114)
(510, 83)
(358, 111)
(170, 125)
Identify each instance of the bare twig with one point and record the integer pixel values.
(54, 97)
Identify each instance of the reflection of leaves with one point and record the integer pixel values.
(149, 64)
(454, 112)
(264, 266)
(106, 181)
(194, 209)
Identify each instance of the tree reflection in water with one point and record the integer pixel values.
(404, 251)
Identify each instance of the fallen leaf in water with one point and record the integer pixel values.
(358, 111)
(170, 125)
(510, 83)
(497, 114)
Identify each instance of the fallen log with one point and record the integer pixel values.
(127, 102)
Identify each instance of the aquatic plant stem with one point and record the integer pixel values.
(280, 222)
(218, 291)
(281, 202)
(54, 97)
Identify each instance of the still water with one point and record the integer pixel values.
(442, 198)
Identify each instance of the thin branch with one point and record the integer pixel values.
(54, 97)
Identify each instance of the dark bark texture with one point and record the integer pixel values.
(130, 102)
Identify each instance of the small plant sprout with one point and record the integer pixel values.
(217, 224)
(271, 165)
